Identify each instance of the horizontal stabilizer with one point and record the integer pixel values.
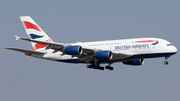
(25, 51)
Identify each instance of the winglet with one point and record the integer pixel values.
(17, 38)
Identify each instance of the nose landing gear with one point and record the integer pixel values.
(166, 62)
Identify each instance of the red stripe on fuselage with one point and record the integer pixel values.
(29, 25)
(148, 41)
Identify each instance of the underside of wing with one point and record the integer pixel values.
(90, 54)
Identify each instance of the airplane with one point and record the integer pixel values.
(128, 51)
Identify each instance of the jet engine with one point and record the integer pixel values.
(134, 62)
(73, 50)
(103, 55)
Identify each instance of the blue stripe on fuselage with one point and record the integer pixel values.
(155, 43)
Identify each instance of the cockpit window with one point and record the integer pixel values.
(169, 44)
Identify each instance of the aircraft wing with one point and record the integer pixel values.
(40, 42)
(88, 53)
(51, 45)
(115, 52)
(25, 51)
(89, 57)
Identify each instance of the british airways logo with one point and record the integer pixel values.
(131, 46)
(155, 42)
(34, 36)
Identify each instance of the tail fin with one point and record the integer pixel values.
(34, 32)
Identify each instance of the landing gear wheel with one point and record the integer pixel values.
(166, 62)
(92, 66)
(101, 68)
(111, 68)
(108, 67)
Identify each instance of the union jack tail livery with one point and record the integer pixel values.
(34, 32)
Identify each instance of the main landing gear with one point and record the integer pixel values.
(98, 67)
(166, 62)
(93, 66)
(109, 67)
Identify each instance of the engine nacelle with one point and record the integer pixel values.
(73, 50)
(103, 55)
(134, 62)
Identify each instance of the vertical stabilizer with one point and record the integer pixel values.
(34, 32)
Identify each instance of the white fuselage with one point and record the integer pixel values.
(136, 48)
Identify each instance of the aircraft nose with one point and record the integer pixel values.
(174, 49)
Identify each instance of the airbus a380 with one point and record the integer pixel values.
(127, 51)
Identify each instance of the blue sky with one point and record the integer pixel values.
(24, 78)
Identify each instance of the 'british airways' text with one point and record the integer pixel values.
(131, 46)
